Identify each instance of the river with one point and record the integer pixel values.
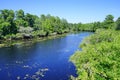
(45, 60)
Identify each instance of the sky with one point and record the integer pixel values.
(74, 11)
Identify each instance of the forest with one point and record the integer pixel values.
(17, 25)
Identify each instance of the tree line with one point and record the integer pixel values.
(19, 25)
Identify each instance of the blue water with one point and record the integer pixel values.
(45, 60)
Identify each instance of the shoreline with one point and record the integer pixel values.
(8, 43)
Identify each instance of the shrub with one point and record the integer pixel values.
(99, 58)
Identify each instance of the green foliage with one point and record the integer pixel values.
(118, 24)
(39, 33)
(87, 27)
(20, 14)
(20, 19)
(99, 58)
(7, 25)
(109, 22)
(38, 24)
(20, 22)
(18, 36)
(96, 25)
(30, 19)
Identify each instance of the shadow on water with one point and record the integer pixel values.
(45, 60)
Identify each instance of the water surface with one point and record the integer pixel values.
(45, 60)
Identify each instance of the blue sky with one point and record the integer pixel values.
(74, 11)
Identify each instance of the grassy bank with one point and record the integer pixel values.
(100, 56)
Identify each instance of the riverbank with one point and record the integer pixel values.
(99, 58)
(19, 39)
(7, 43)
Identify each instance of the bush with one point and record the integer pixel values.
(40, 33)
(99, 58)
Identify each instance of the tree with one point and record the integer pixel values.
(64, 23)
(47, 27)
(10, 17)
(30, 19)
(79, 26)
(56, 25)
(38, 24)
(118, 24)
(43, 17)
(20, 14)
(1, 21)
(7, 22)
(7, 15)
(20, 19)
(4, 14)
(109, 22)
(96, 25)
(5, 28)
(20, 22)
